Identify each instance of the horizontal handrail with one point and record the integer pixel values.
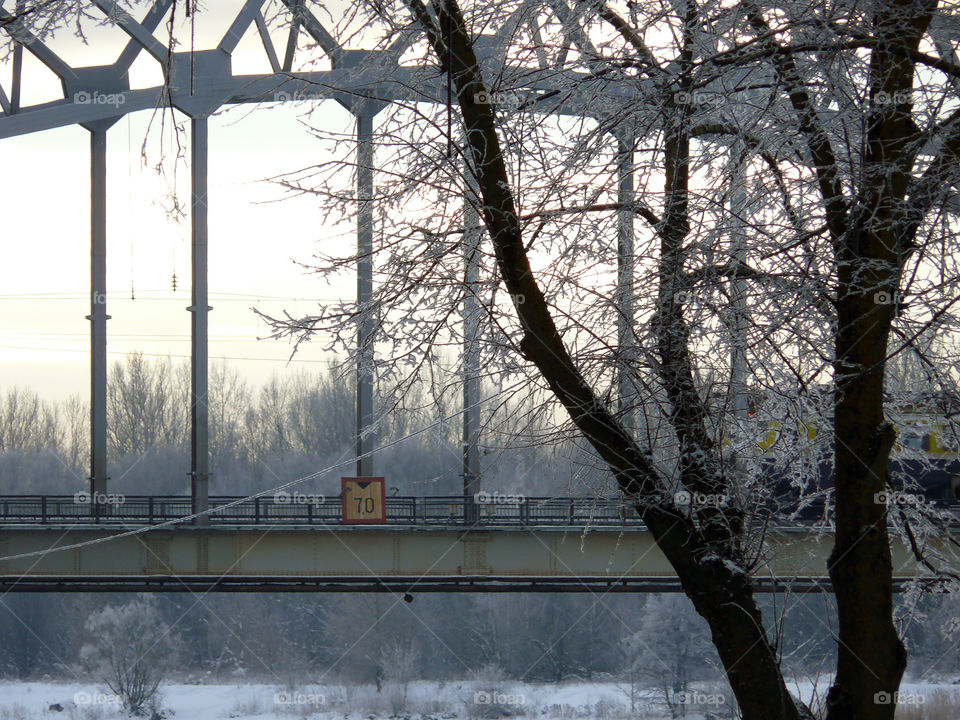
(316, 509)
(310, 509)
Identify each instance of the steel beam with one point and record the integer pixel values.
(471, 349)
(98, 314)
(369, 557)
(267, 42)
(199, 309)
(365, 319)
(293, 35)
(377, 74)
(137, 32)
(247, 15)
(413, 586)
(24, 38)
(303, 17)
(17, 78)
(393, 585)
(149, 23)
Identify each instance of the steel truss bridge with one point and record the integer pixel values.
(51, 543)
(201, 81)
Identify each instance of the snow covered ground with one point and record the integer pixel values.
(418, 700)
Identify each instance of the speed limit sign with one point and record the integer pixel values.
(364, 500)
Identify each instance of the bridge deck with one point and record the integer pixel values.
(539, 544)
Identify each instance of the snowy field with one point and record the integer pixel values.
(416, 701)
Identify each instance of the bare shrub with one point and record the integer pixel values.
(130, 650)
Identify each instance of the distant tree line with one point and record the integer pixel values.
(650, 640)
(291, 426)
(294, 425)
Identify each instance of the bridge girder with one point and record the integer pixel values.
(385, 559)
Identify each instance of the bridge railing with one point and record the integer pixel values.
(308, 509)
(303, 509)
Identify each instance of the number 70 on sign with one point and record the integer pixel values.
(364, 500)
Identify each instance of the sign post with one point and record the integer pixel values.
(364, 500)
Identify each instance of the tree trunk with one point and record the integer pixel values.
(870, 256)
(721, 592)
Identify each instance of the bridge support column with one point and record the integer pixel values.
(199, 309)
(625, 253)
(365, 321)
(471, 351)
(98, 314)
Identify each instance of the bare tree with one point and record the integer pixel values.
(42, 17)
(669, 652)
(27, 423)
(130, 649)
(146, 402)
(793, 168)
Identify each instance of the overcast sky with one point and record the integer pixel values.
(256, 232)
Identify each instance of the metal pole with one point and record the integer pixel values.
(98, 314)
(365, 324)
(625, 292)
(199, 309)
(471, 352)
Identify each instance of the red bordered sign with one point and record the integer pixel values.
(364, 500)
